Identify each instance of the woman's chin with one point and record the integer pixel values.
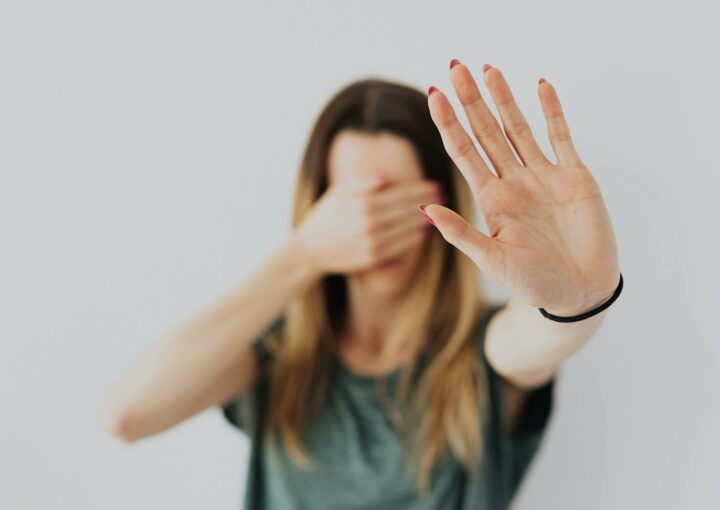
(388, 265)
(387, 279)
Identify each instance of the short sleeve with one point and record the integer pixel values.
(243, 409)
(518, 447)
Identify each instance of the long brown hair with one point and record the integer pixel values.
(440, 398)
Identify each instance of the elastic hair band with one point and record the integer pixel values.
(585, 315)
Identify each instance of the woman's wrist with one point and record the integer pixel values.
(300, 260)
(589, 304)
(577, 309)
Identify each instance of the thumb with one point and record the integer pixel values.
(481, 249)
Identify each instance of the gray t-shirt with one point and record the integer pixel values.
(359, 461)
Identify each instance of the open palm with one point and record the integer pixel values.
(550, 239)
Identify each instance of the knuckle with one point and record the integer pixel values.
(446, 123)
(561, 135)
(365, 207)
(462, 148)
(461, 230)
(446, 126)
(370, 226)
(472, 100)
(372, 249)
(486, 131)
(538, 161)
(517, 128)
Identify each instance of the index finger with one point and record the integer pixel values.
(408, 191)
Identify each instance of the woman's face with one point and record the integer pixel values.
(353, 155)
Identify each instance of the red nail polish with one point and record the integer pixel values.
(422, 210)
(541, 81)
(486, 67)
(454, 62)
(431, 90)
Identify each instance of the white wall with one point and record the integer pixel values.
(148, 152)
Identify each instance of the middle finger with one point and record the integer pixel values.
(484, 125)
(514, 122)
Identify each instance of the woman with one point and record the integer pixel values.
(360, 358)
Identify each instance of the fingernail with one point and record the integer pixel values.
(422, 210)
(454, 62)
(431, 90)
(541, 81)
(486, 67)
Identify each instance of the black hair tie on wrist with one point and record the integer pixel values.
(592, 312)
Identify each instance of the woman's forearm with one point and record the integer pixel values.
(207, 358)
(526, 348)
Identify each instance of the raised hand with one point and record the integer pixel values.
(550, 239)
(366, 222)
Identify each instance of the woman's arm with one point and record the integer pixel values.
(550, 239)
(206, 359)
(526, 348)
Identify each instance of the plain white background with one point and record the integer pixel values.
(148, 153)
